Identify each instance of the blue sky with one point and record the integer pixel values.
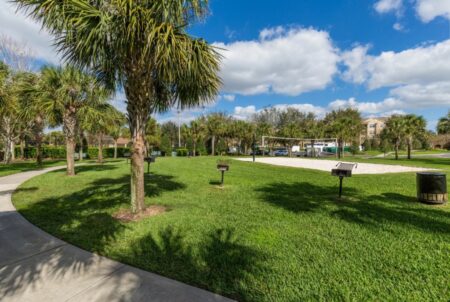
(382, 57)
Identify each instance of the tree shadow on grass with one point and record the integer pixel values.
(220, 263)
(83, 218)
(355, 207)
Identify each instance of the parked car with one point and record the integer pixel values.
(281, 152)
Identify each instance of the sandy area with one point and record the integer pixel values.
(327, 165)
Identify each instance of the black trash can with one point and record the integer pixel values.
(432, 187)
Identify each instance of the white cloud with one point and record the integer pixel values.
(244, 113)
(398, 26)
(357, 62)
(388, 6)
(317, 110)
(427, 10)
(388, 104)
(25, 30)
(284, 61)
(435, 94)
(419, 76)
(229, 97)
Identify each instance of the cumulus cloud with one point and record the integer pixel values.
(388, 6)
(388, 104)
(427, 10)
(284, 61)
(435, 94)
(419, 76)
(244, 113)
(229, 97)
(25, 30)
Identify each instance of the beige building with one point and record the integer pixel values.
(372, 128)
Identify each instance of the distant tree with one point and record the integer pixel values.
(67, 90)
(395, 131)
(443, 126)
(345, 125)
(99, 119)
(33, 110)
(216, 127)
(414, 128)
(152, 134)
(11, 118)
(197, 131)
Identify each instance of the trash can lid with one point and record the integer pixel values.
(432, 173)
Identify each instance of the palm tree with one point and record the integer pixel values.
(32, 109)
(343, 124)
(215, 126)
(142, 46)
(98, 120)
(396, 131)
(66, 91)
(414, 128)
(197, 132)
(152, 134)
(443, 126)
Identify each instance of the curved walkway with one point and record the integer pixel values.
(35, 266)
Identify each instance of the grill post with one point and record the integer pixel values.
(341, 178)
(221, 181)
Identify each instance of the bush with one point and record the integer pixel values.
(182, 152)
(108, 152)
(47, 152)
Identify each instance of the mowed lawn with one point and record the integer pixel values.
(271, 234)
(24, 166)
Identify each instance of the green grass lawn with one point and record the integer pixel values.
(271, 234)
(23, 166)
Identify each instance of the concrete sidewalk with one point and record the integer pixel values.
(35, 266)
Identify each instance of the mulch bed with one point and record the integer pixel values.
(128, 216)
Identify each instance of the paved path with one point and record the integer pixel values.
(35, 266)
(327, 165)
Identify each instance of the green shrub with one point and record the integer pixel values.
(182, 152)
(47, 152)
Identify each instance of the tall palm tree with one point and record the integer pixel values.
(414, 127)
(443, 126)
(66, 91)
(142, 46)
(395, 130)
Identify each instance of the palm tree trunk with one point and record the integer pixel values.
(22, 148)
(409, 147)
(38, 138)
(138, 114)
(194, 146)
(70, 129)
(115, 149)
(100, 148)
(213, 151)
(396, 149)
(80, 152)
(13, 150)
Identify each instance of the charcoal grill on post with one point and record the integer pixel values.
(222, 167)
(343, 170)
(149, 160)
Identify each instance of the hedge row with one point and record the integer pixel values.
(92, 152)
(60, 152)
(47, 152)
